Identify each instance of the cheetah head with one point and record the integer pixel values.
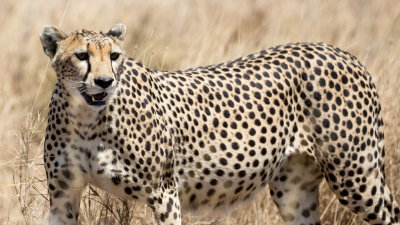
(87, 63)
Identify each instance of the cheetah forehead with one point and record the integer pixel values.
(89, 39)
(84, 39)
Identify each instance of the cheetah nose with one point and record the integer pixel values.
(104, 82)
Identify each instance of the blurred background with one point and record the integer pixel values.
(171, 35)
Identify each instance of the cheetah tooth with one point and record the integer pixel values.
(93, 99)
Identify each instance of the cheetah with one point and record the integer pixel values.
(210, 137)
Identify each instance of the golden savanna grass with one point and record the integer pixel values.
(173, 35)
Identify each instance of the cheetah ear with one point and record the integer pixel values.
(50, 37)
(118, 31)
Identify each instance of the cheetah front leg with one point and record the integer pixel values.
(65, 186)
(296, 190)
(166, 204)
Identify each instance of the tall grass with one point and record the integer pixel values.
(171, 35)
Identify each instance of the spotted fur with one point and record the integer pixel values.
(209, 137)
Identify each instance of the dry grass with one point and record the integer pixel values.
(175, 35)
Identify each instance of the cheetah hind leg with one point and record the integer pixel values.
(363, 190)
(295, 190)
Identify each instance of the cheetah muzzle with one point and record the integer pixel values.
(94, 99)
(207, 138)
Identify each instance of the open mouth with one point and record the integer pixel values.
(95, 99)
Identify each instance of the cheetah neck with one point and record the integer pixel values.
(81, 117)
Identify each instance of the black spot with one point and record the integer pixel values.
(116, 180)
(309, 86)
(128, 190)
(223, 161)
(220, 173)
(317, 96)
(63, 185)
(144, 78)
(198, 185)
(325, 123)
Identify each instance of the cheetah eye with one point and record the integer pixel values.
(82, 55)
(114, 56)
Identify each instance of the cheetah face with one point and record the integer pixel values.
(87, 63)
